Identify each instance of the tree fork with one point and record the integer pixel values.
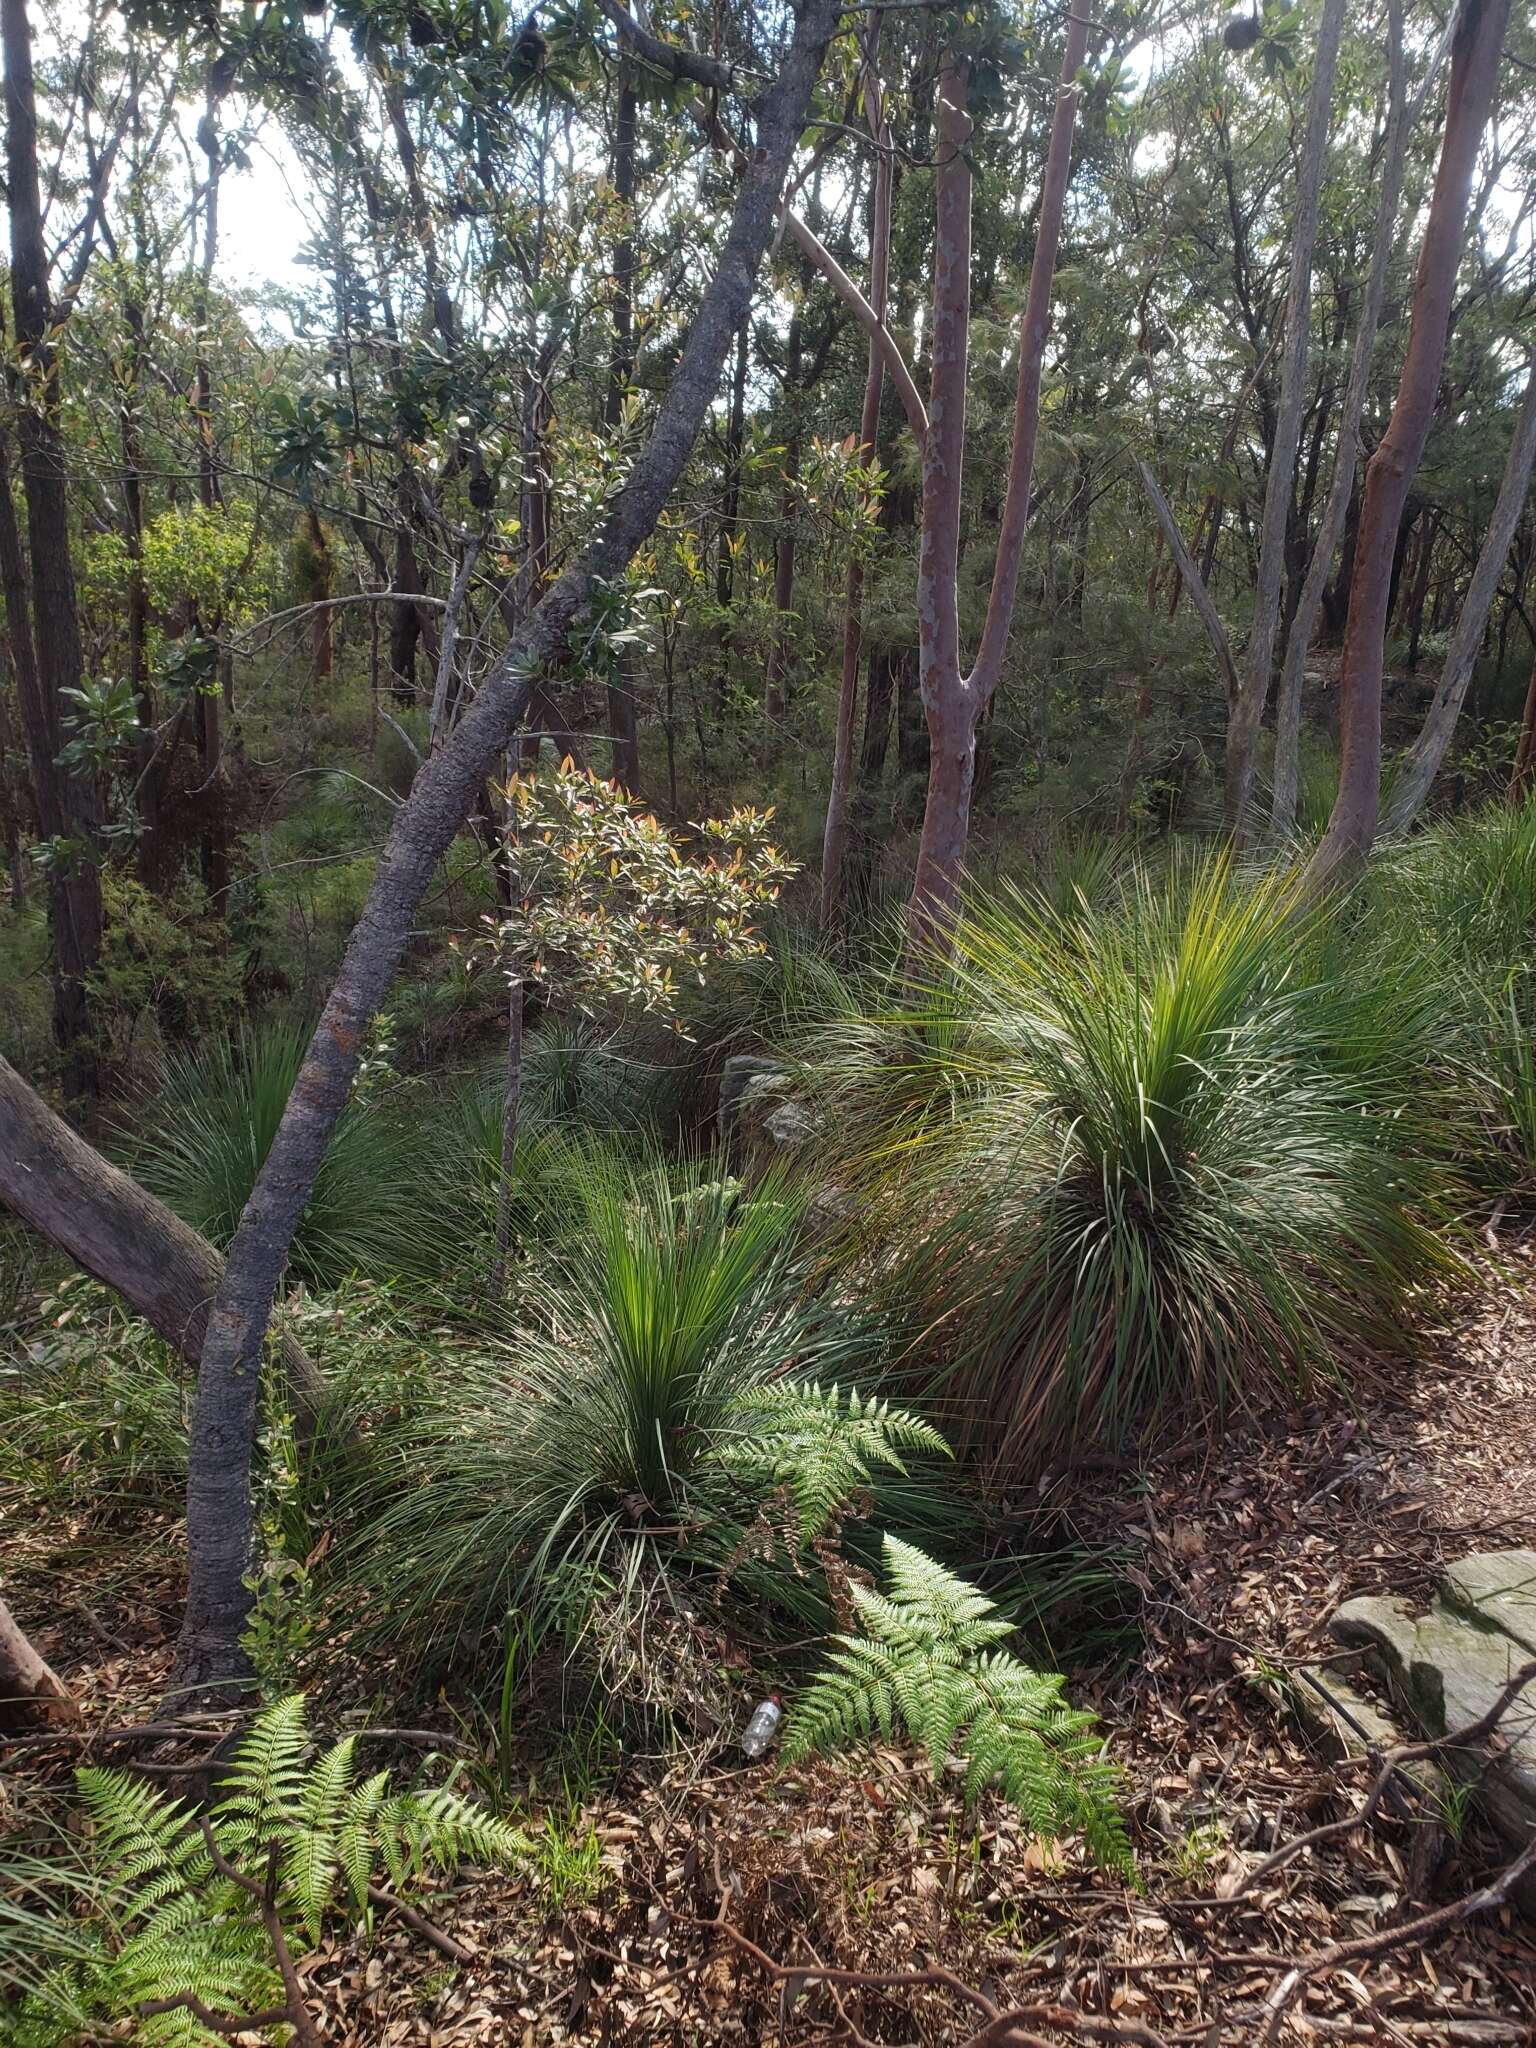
(219, 1506)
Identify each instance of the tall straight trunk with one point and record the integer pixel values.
(730, 506)
(953, 701)
(622, 717)
(210, 734)
(1247, 710)
(13, 801)
(68, 802)
(116, 1230)
(1419, 767)
(1469, 97)
(834, 845)
(780, 654)
(29, 1689)
(1522, 780)
(219, 1507)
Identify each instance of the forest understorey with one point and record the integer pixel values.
(704, 1900)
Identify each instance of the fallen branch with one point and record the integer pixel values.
(1423, 1927)
(1407, 1753)
(444, 1943)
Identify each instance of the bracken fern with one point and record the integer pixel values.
(931, 1662)
(160, 1922)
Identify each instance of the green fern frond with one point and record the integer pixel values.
(822, 1443)
(309, 1861)
(265, 1800)
(930, 1659)
(146, 1843)
(160, 1923)
(357, 1841)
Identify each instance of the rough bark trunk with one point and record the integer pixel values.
(1474, 72)
(1421, 764)
(1252, 692)
(13, 802)
(219, 1511)
(68, 803)
(29, 1689)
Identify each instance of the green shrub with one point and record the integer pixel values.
(93, 1407)
(1464, 894)
(1139, 1161)
(202, 1141)
(667, 1407)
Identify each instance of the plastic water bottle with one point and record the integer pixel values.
(762, 1727)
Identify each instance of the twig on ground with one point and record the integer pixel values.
(1406, 1753)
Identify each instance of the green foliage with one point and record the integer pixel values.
(93, 1407)
(202, 1141)
(1147, 1159)
(930, 1662)
(160, 1922)
(658, 1411)
(1464, 894)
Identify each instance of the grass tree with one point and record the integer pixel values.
(612, 906)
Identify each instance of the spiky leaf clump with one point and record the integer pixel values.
(931, 1663)
(676, 1385)
(1151, 1160)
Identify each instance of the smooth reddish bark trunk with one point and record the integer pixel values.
(1474, 70)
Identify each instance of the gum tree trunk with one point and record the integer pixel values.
(68, 804)
(1474, 72)
(834, 846)
(1411, 783)
(219, 1507)
(953, 701)
(1258, 655)
(29, 1689)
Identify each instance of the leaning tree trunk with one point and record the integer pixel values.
(1415, 774)
(1258, 656)
(117, 1231)
(29, 1689)
(219, 1507)
(1474, 72)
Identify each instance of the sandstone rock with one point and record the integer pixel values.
(1448, 1669)
(758, 1117)
(1498, 1589)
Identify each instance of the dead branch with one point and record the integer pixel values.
(1424, 1927)
(444, 1943)
(1406, 1753)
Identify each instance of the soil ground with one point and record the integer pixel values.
(1234, 1554)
